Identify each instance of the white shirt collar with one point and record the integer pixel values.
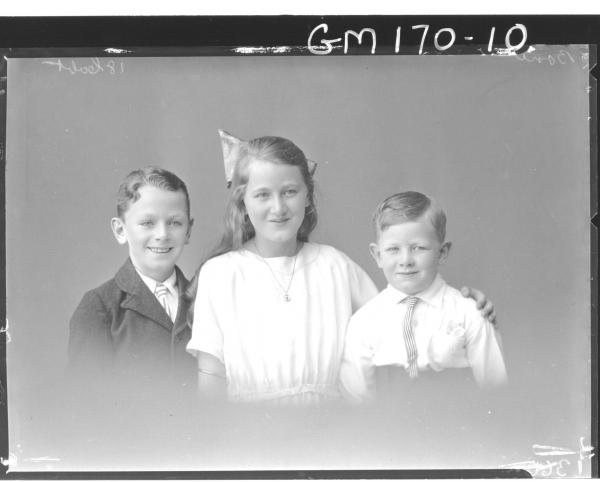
(151, 283)
(432, 295)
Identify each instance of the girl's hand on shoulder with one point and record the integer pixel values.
(484, 305)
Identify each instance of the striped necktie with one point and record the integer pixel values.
(409, 338)
(161, 293)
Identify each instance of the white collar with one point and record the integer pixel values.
(151, 283)
(432, 295)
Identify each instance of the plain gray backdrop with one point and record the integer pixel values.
(503, 143)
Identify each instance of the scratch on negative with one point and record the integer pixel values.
(509, 51)
(10, 461)
(528, 465)
(551, 450)
(42, 459)
(4, 329)
(112, 50)
(264, 50)
(504, 52)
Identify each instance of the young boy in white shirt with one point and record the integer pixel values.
(418, 324)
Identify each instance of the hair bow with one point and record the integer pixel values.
(231, 147)
(312, 167)
(232, 150)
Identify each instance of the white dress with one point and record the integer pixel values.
(274, 349)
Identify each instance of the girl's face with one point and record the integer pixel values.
(275, 199)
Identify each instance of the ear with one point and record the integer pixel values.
(376, 253)
(118, 229)
(189, 231)
(444, 252)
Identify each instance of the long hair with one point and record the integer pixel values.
(237, 226)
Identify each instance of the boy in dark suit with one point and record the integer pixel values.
(133, 328)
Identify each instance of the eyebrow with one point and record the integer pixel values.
(259, 188)
(286, 184)
(171, 214)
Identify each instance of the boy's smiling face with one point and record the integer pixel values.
(156, 227)
(409, 254)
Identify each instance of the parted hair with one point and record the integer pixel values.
(128, 192)
(409, 206)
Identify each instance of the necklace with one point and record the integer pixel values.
(286, 295)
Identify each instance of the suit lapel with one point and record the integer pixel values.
(139, 298)
(182, 315)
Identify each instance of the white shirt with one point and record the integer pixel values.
(449, 333)
(172, 295)
(273, 349)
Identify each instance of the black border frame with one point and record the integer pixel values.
(218, 35)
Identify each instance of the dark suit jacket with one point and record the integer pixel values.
(120, 331)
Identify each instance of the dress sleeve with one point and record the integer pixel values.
(90, 345)
(484, 351)
(362, 288)
(207, 335)
(357, 371)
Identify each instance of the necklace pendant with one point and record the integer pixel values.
(287, 297)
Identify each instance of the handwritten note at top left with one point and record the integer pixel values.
(92, 66)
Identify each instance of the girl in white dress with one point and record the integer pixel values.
(271, 308)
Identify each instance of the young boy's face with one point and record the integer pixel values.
(409, 254)
(156, 227)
